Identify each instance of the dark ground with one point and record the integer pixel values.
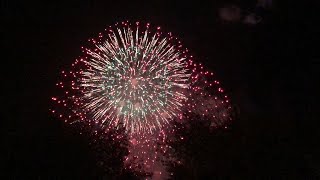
(269, 70)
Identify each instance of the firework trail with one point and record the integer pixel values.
(149, 154)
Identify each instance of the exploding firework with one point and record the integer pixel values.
(132, 78)
(139, 80)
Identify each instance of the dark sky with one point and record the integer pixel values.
(267, 69)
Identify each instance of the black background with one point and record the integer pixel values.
(268, 69)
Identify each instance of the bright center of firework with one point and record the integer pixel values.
(134, 80)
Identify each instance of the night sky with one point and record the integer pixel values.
(268, 69)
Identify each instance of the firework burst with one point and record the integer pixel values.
(139, 80)
(133, 78)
